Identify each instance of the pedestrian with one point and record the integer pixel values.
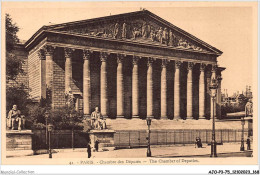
(89, 149)
(96, 145)
(200, 143)
(248, 143)
(196, 142)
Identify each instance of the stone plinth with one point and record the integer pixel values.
(105, 138)
(18, 143)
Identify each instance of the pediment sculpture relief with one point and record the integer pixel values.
(139, 30)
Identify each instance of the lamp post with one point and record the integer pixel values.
(242, 147)
(149, 121)
(46, 115)
(213, 89)
(50, 128)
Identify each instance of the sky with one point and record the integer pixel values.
(229, 29)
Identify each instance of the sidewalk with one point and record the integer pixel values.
(226, 150)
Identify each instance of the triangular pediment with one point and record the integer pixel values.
(141, 26)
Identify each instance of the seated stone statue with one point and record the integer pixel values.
(14, 116)
(97, 121)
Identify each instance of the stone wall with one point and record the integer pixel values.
(58, 91)
(19, 143)
(34, 75)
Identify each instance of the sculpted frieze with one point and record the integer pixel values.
(139, 30)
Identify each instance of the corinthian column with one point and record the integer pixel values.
(177, 90)
(86, 82)
(68, 68)
(120, 86)
(218, 99)
(202, 91)
(49, 65)
(189, 90)
(150, 88)
(135, 88)
(49, 72)
(163, 90)
(41, 55)
(103, 84)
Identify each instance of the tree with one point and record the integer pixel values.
(17, 95)
(14, 94)
(13, 63)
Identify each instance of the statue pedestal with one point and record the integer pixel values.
(18, 143)
(105, 139)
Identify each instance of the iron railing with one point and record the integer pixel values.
(138, 138)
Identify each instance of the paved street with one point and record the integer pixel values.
(226, 150)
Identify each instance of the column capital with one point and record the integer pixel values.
(164, 63)
(68, 52)
(150, 61)
(202, 66)
(41, 54)
(103, 56)
(87, 54)
(48, 49)
(178, 64)
(190, 65)
(135, 60)
(120, 58)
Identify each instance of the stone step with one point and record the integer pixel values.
(139, 124)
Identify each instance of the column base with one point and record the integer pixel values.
(135, 117)
(120, 116)
(164, 118)
(177, 118)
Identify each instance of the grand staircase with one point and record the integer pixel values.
(139, 124)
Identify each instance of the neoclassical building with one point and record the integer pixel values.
(130, 65)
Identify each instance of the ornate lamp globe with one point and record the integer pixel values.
(213, 87)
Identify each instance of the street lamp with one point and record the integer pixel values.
(242, 147)
(46, 116)
(50, 128)
(213, 89)
(149, 121)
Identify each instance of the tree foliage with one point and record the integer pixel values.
(13, 63)
(17, 95)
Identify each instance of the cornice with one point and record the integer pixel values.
(136, 54)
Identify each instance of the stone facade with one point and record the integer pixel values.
(131, 65)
